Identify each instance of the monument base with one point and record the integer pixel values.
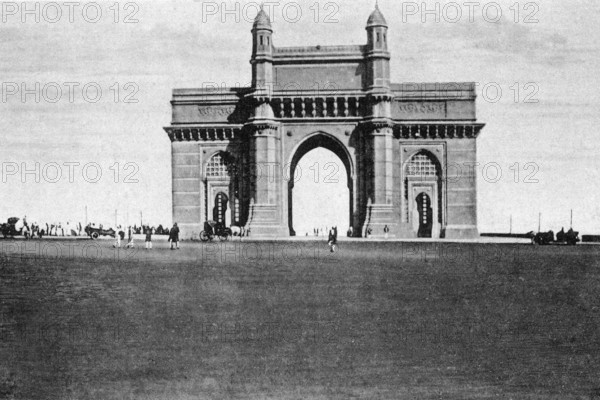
(188, 231)
(264, 222)
(461, 232)
(380, 216)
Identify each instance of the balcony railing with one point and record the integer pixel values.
(318, 107)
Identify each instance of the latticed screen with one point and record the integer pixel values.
(421, 165)
(216, 167)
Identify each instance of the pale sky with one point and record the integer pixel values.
(175, 45)
(321, 198)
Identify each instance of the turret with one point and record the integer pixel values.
(378, 57)
(262, 51)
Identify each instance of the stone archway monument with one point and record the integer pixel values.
(396, 141)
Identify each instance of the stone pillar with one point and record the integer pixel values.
(266, 217)
(381, 210)
(187, 187)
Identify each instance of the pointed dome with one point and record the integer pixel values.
(262, 20)
(376, 18)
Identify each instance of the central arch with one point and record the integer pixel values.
(331, 143)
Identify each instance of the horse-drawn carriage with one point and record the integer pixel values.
(569, 238)
(214, 229)
(94, 233)
(12, 228)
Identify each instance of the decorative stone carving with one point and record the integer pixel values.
(205, 111)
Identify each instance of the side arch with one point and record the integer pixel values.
(220, 188)
(423, 168)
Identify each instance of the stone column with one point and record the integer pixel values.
(381, 210)
(266, 211)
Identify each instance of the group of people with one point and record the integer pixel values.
(30, 230)
(148, 232)
(158, 230)
(140, 230)
(320, 231)
(33, 230)
(350, 232)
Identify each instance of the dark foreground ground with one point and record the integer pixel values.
(79, 320)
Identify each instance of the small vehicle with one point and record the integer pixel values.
(94, 233)
(569, 238)
(212, 229)
(543, 238)
(12, 228)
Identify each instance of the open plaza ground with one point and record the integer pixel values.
(290, 320)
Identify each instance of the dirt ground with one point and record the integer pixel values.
(289, 320)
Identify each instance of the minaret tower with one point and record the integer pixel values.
(378, 129)
(267, 217)
(262, 51)
(378, 57)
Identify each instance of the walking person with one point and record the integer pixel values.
(174, 237)
(386, 230)
(148, 238)
(332, 240)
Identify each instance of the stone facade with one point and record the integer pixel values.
(408, 149)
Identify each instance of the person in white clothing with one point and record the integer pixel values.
(130, 235)
(117, 237)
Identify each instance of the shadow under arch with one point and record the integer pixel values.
(331, 143)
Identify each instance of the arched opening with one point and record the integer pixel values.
(423, 193)
(320, 187)
(221, 187)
